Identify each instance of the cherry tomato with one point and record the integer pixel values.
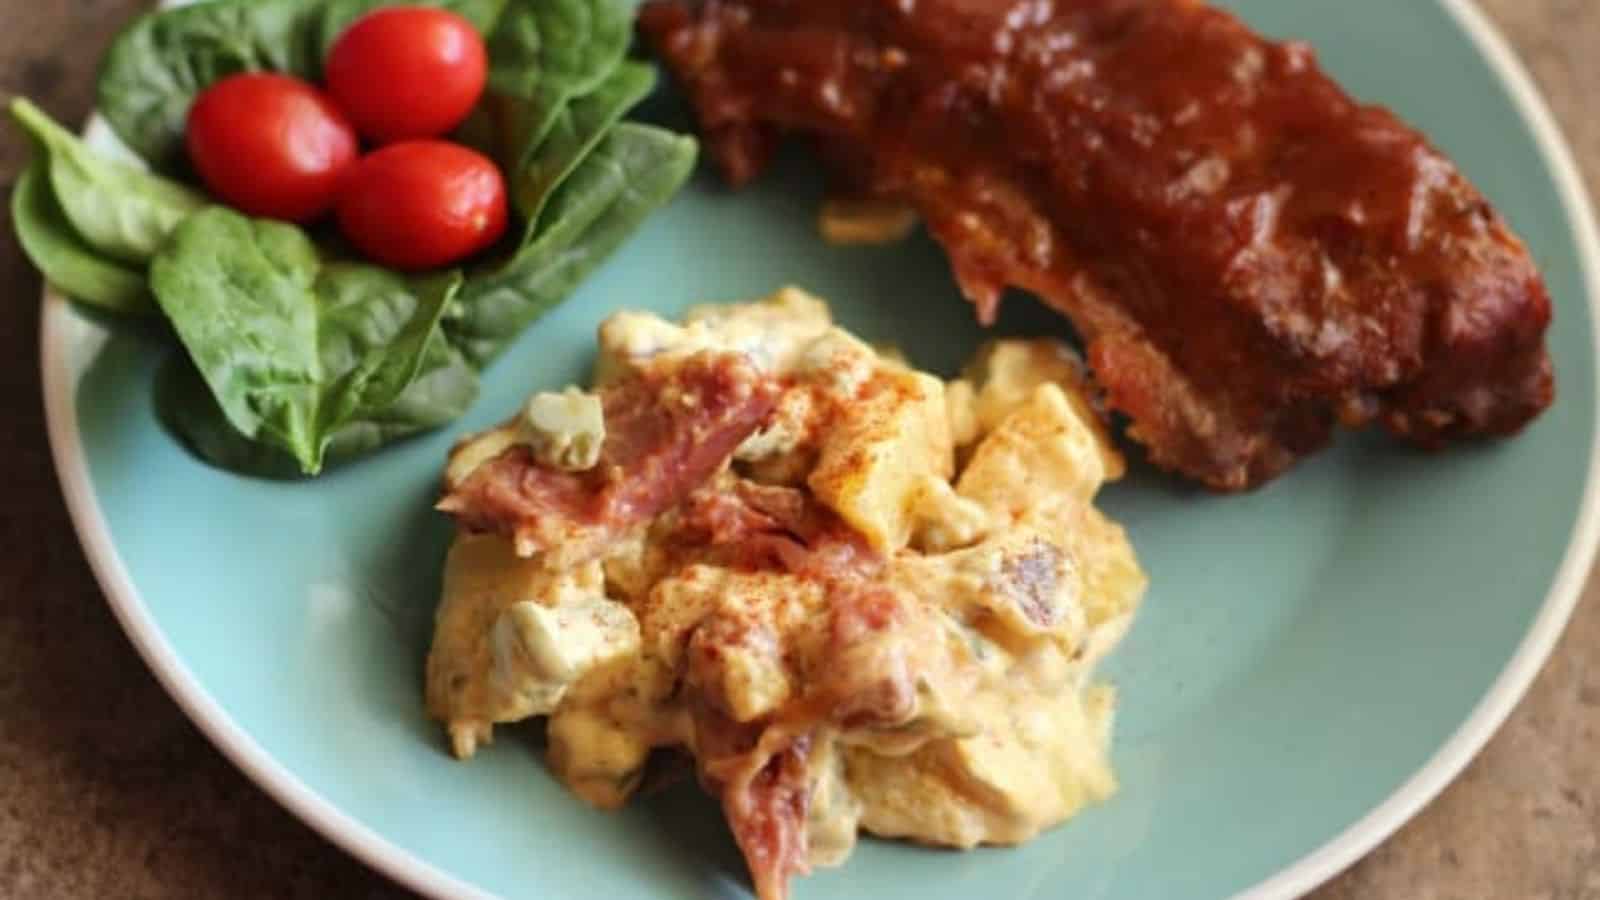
(422, 204)
(270, 145)
(407, 72)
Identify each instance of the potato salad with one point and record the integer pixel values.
(860, 597)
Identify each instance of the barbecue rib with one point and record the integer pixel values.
(1249, 255)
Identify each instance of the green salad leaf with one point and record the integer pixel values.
(159, 64)
(341, 13)
(563, 48)
(443, 391)
(634, 171)
(547, 53)
(68, 264)
(578, 127)
(117, 209)
(559, 84)
(293, 348)
(185, 406)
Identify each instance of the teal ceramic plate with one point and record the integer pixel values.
(1314, 661)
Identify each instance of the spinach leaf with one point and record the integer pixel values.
(564, 46)
(374, 329)
(161, 62)
(340, 13)
(185, 405)
(443, 391)
(549, 52)
(293, 349)
(445, 388)
(635, 170)
(576, 130)
(60, 254)
(115, 208)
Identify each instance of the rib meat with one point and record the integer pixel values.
(1250, 256)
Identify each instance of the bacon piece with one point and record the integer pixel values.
(1251, 256)
(869, 685)
(667, 432)
(786, 506)
(751, 525)
(718, 517)
(766, 806)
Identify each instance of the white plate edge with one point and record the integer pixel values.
(60, 380)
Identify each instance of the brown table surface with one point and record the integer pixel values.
(106, 790)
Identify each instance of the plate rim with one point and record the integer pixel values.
(59, 380)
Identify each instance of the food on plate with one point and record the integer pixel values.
(270, 145)
(861, 597)
(1251, 256)
(405, 72)
(91, 223)
(314, 356)
(47, 238)
(419, 205)
(303, 346)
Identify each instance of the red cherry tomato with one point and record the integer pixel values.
(423, 204)
(407, 72)
(270, 145)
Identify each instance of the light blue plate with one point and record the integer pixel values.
(1313, 662)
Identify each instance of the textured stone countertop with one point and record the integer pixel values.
(107, 791)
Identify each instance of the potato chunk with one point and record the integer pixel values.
(1042, 452)
(1003, 377)
(875, 462)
